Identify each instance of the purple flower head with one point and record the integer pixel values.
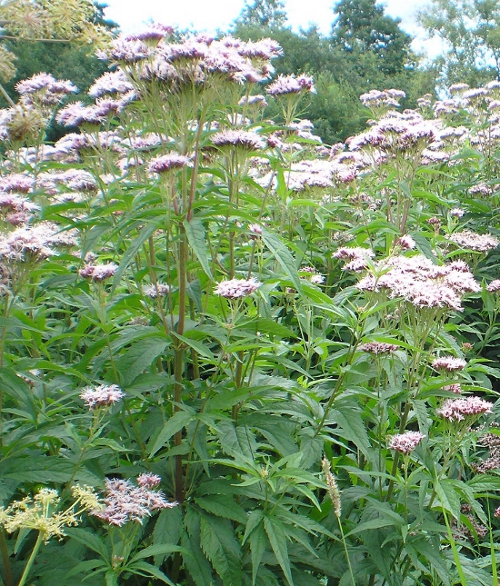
(126, 50)
(98, 272)
(289, 84)
(156, 290)
(460, 409)
(149, 480)
(358, 257)
(126, 502)
(449, 363)
(473, 241)
(236, 288)
(101, 396)
(379, 348)
(169, 162)
(111, 82)
(238, 138)
(405, 442)
(494, 286)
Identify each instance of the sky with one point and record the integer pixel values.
(209, 15)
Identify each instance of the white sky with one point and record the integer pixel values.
(210, 15)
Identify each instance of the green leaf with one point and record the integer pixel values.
(222, 506)
(424, 246)
(145, 569)
(257, 548)
(132, 250)
(276, 533)
(200, 348)
(221, 547)
(153, 550)
(196, 563)
(139, 358)
(283, 256)
(90, 540)
(449, 496)
(195, 232)
(177, 422)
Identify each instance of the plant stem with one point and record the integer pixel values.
(7, 571)
(27, 569)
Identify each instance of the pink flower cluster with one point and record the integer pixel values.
(379, 348)
(405, 442)
(460, 409)
(126, 502)
(358, 257)
(235, 288)
(98, 272)
(289, 84)
(101, 396)
(420, 282)
(238, 138)
(473, 241)
(449, 363)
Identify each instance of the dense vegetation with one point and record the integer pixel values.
(233, 354)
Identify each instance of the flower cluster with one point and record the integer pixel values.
(472, 241)
(405, 442)
(124, 502)
(449, 363)
(235, 288)
(40, 512)
(289, 84)
(156, 290)
(101, 396)
(379, 348)
(98, 272)
(460, 409)
(358, 257)
(420, 282)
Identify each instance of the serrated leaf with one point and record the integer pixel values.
(221, 547)
(177, 422)
(222, 506)
(195, 232)
(283, 256)
(136, 244)
(200, 348)
(257, 548)
(153, 550)
(277, 538)
(139, 358)
(90, 540)
(145, 569)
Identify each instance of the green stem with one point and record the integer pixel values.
(31, 559)
(348, 559)
(7, 571)
(463, 579)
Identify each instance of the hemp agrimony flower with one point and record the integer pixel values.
(236, 288)
(101, 396)
(460, 409)
(126, 502)
(405, 442)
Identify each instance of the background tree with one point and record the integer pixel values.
(367, 50)
(361, 26)
(40, 20)
(263, 13)
(64, 60)
(469, 31)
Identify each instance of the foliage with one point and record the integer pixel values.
(361, 26)
(469, 32)
(293, 344)
(263, 13)
(41, 20)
